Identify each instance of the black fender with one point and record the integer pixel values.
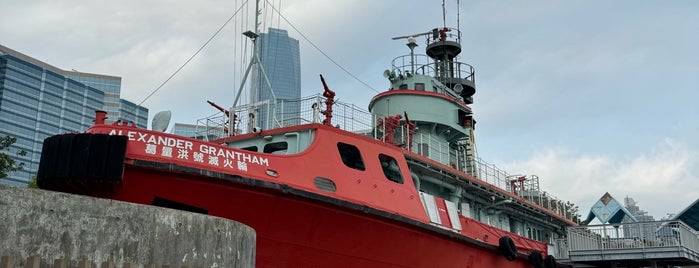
(536, 259)
(507, 248)
(550, 262)
(82, 163)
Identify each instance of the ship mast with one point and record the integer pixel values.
(256, 62)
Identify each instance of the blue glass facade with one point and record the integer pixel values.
(186, 130)
(197, 132)
(280, 57)
(130, 111)
(115, 107)
(38, 100)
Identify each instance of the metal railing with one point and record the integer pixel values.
(559, 249)
(425, 65)
(633, 236)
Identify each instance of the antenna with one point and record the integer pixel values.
(256, 61)
(458, 15)
(444, 15)
(411, 35)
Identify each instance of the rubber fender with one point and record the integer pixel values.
(65, 147)
(507, 247)
(550, 262)
(536, 259)
(47, 164)
(98, 156)
(114, 165)
(80, 163)
(79, 156)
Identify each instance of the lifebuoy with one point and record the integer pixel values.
(536, 259)
(507, 247)
(550, 262)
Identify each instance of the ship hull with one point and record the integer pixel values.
(303, 229)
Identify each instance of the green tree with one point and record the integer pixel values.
(32, 183)
(7, 164)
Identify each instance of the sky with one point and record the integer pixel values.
(590, 96)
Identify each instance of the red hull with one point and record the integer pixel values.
(294, 230)
(297, 225)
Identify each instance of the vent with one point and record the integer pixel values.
(324, 184)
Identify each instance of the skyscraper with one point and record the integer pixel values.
(638, 213)
(645, 230)
(38, 100)
(280, 58)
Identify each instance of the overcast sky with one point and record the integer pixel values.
(591, 96)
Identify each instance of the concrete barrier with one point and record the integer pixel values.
(45, 226)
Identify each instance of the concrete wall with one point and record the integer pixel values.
(55, 225)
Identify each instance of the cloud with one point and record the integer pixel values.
(591, 87)
(662, 180)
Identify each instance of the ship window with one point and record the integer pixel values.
(250, 148)
(403, 86)
(420, 86)
(276, 147)
(350, 156)
(424, 149)
(390, 168)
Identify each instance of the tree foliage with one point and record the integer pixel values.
(565, 208)
(32, 183)
(7, 164)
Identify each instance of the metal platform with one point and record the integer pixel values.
(645, 244)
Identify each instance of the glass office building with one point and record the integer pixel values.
(199, 132)
(38, 100)
(280, 57)
(115, 107)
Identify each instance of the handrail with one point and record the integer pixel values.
(636, 235)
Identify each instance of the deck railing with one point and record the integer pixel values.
(668, 241)
(633, 236)
(351, 118)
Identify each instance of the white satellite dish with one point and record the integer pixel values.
(161, 120)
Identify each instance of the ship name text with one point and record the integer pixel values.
(190, 151)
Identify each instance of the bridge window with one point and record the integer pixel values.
(423, 149)
(250, 148)
(350, 156)
(276, 147)
(420, 86)
(390, 168)
(403, 86)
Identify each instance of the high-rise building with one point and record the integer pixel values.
(115, 107)
(280, 58)
(38, 100)
(645, 230)
(638, 213)
(198, 131)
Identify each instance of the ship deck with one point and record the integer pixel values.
(352, 118)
